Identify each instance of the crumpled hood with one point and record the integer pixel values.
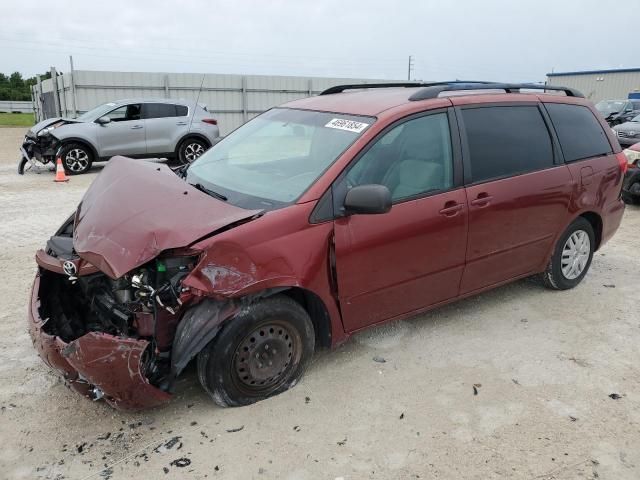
(50, 121)
(136, 209)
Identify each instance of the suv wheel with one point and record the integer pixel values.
(572, 256)
(190, 149)
(261, 352)
(76, 158)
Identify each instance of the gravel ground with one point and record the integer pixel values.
(544, 365)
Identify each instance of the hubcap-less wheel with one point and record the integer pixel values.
(76, 160)
(575, 254)
(192, 151)
(265, 356)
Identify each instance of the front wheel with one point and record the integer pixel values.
(190, 149)
(76, 158)
(572, 256)
(261, 352)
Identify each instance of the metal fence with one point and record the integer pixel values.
(232, 99)
(10, 106)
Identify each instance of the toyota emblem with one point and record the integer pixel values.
(69, 268)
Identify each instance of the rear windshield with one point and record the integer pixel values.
(271, 160)
(580, 133)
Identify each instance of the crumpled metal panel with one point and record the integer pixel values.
(136, 209)
(113, 364)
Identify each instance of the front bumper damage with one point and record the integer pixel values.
(97, 365)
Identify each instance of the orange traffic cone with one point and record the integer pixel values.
(60, 175)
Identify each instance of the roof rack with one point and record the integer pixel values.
(434, 89)
(361, 86)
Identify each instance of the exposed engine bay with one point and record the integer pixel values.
(144, 304)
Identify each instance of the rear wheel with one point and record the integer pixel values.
(76, 158)
(572, 256)
(261, 352)
(190, 149)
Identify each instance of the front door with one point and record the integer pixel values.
(518, 195)
(124, 134)
(413, 256)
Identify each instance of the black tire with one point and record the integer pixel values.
(190, 149)
(554, 277)
(632, 195)
(21, 165)
(76, 158)
(277, 337)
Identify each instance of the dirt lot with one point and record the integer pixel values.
(544, 363)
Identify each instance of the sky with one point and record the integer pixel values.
(451, 39)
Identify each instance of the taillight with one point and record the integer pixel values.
(210, 121)
(622, 161)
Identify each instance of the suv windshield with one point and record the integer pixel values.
(607, 107)
(271, 160)
(97, 112)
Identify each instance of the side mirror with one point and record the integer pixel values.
(367, 199)
(103, 120)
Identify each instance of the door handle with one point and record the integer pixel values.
(482, 201)
(136, 127)
(451, 209)
(181, 123)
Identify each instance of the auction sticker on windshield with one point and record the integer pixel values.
(348, 125)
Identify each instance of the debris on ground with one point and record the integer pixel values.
(234, 430)
(342, 442)
(476, 386)
(572, 418)
(515, 381)
(610, 285)
(307, 399)
(181, 462)
(615, 396)
(168, 445)
(401, 415)
(296, 428)
(379, 359)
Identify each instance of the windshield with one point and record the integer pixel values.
(607, 107)
(97, 112)
(271, 160)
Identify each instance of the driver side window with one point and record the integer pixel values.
(412, 159)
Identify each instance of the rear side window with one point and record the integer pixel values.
(580, 133)
(181, 111)
(506, 141)
(159, 110)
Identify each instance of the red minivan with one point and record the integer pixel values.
(327, 215)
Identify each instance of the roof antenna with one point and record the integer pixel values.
(181, 170)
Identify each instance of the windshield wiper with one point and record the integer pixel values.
(204, 189)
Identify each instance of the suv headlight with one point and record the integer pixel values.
(633, 156)
(45, 131)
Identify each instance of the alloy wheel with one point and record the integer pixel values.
(76, 160)
(192, 151)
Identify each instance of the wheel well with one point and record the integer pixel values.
(192, 135)
(596, 222)
(316, 310)
(68, 141)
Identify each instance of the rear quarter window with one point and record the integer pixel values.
(181, 111)
(506, 140)
(579, 131)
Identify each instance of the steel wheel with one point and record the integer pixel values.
(575, 254)
(76, 160)
(192, 151)
(265, 356)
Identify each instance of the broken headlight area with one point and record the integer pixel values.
(144, 305)
(41, 147)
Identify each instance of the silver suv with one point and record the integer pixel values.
(135, 128)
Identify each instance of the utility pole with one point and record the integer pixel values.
(410, 67)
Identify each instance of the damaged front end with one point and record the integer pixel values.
(40, 145)
(109, 338)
